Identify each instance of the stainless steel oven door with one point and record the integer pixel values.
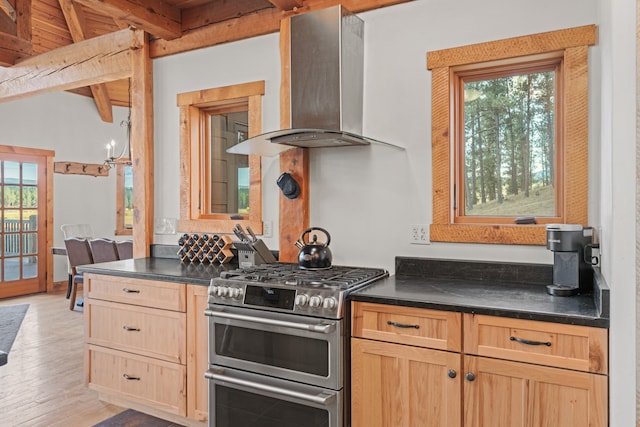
(239, 398)
(298, 348)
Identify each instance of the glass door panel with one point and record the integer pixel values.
(23, 254)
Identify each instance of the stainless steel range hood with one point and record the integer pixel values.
(327, 69)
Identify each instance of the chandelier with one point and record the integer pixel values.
(124, 156)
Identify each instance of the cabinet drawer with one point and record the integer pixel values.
(137, 378)
(544, 343)
(407, 325)
(148, 293)
(155, 333)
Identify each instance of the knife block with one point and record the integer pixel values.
(253, 253)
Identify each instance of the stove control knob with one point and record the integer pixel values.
(302, 299)
(235, 293)
(315, 301)
(222, 291)
(329, 303)
(214, 290)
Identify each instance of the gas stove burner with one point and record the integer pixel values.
(293, 275)
(286, 287)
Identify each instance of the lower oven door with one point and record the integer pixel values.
(238, 398)
(298, 348)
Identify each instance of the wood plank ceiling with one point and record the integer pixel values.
(32, 27)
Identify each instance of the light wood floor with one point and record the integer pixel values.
(43, 384)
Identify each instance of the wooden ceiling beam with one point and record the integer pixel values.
(15, 32)
(74, 17)
(286, 4)
(261, 22)
(8, 9)
(12, 49)
(97, 60)
(265, 21)
(153, 16)
(23, 20)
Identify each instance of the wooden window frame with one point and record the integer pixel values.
(572, 44)
(194, 108)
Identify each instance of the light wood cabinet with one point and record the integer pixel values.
(197, 353)
(146, 345)
(414, 366)
(505, 394)
(401, 385)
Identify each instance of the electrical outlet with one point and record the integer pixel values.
(267, 229)
(419, 234)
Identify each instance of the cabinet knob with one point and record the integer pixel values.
(470, 376)
(452, 373)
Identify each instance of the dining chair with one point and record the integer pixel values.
(103, 250)
(84, 231)
(125, 249)
(78, 253)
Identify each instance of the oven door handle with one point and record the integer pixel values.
(322, 328)
(323, 398)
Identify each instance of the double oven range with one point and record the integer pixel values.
(278, 345)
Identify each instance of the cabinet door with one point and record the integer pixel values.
(395, 385)
(501, 393)
(197, 348)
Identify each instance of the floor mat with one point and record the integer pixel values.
(131, 418)
(11, 317)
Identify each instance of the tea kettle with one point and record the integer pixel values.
(314, 255)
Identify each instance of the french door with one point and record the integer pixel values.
(23, 211)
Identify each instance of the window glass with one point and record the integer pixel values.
(229, 187)
(128, 197)
(508, 146)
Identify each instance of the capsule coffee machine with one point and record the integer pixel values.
(572, 262)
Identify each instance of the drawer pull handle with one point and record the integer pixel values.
(402, 325)
(129, 328)
(130, 291)
(130, 378)
(529, 342)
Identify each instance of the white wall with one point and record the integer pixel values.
(618, 207)
(229, 64)
(70, 125)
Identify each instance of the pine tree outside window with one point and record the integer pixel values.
(507, 142)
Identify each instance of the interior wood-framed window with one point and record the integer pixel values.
(204, 188)
(562, 54)
(124, 200)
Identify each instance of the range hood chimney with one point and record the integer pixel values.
(326, 81)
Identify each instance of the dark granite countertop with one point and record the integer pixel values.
(499, 289)
(166, 269)
(509, 290)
